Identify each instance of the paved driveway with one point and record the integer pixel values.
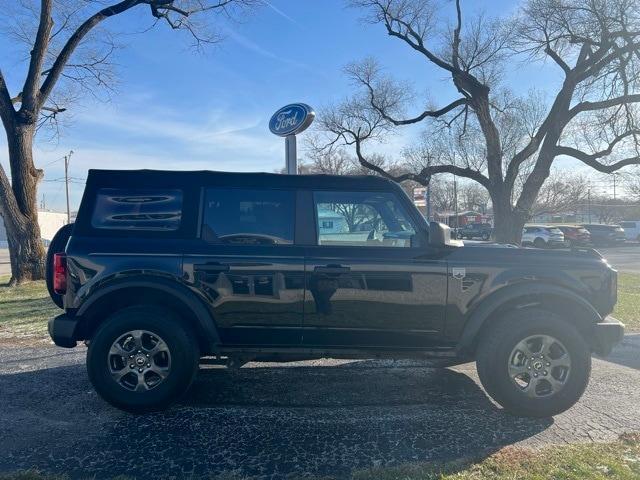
(625, 258)
(5, 266)
(269, 421)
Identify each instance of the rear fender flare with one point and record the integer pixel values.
(205, 322)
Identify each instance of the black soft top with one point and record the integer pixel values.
(175, 178)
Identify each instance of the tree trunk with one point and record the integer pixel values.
(20, 213)
(507, 223)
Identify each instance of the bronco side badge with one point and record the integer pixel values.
(458, 273)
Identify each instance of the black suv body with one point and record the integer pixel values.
(166, 270)
(605, 235)
(475, 230)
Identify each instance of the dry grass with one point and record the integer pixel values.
(24, 311)
(628, 307)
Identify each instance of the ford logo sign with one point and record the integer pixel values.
(291, 120)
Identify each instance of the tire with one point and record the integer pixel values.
(485, 236)
(57, 245)
(180, 368)
(496, 352)
(539, 243)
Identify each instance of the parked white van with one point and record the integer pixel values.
(631, 229)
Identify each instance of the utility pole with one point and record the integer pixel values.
(455, 199)
(67, 158)
(589, 203)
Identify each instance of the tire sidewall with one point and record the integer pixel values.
(503, 389)
(182, 348)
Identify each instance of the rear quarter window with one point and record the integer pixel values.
(154, 210)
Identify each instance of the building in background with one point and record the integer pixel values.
(463, 218)
(50, 223)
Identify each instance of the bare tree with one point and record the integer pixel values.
(67, 47)
(562, 192)
(485, 133)
(631, 183)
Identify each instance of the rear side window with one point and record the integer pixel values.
(138, 209)
(629, 225)
(249, 216)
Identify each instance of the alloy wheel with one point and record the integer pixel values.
(139, 360)
(539, 366)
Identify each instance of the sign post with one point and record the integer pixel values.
(288, 122)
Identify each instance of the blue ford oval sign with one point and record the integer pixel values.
(292, 119)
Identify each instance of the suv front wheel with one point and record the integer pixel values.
(142, 358)
(534, 363)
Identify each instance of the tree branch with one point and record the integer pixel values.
(30, 93)
(425, 174)
(556, 58)
(592, 159)
(7, 112)
(611, 102)
(455, 55)
(76, 38)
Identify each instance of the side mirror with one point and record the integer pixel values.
(440, 236)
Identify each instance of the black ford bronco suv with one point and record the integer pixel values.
(163, 271)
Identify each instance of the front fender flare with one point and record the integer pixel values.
(523, 295)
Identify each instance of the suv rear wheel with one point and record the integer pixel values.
(142, 358)
(539, 243)
(534, 363)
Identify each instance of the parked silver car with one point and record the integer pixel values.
(542, 236)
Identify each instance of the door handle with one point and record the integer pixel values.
(212, 268)
(332, 269)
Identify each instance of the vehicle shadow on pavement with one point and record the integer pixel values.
(255, 422)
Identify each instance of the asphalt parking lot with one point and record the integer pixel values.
(625, 258)
(316, 418)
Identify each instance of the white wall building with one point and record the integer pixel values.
(50, 223)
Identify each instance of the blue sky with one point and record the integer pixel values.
(176, 109)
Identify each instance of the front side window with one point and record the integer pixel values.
(249, 216)
(137, 209)
(368, 219)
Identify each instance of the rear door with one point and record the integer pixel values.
(371, 281)
(248, 266)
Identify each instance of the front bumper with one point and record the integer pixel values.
(608, 333)
(62, 330)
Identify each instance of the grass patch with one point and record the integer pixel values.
(24, 310)
(628, 307)
(611, 461)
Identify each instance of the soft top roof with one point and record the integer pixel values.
(176, 178)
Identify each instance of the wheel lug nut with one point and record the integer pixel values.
(140, 370)
(529, 367)
(148, 364)
(535, 374)
(544, 373)
(548, 364)
(131, 366)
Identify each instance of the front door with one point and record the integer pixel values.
(247, 266)
(370, 282)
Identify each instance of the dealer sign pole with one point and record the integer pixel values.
(288, 122)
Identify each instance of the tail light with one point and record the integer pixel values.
(60, 273)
